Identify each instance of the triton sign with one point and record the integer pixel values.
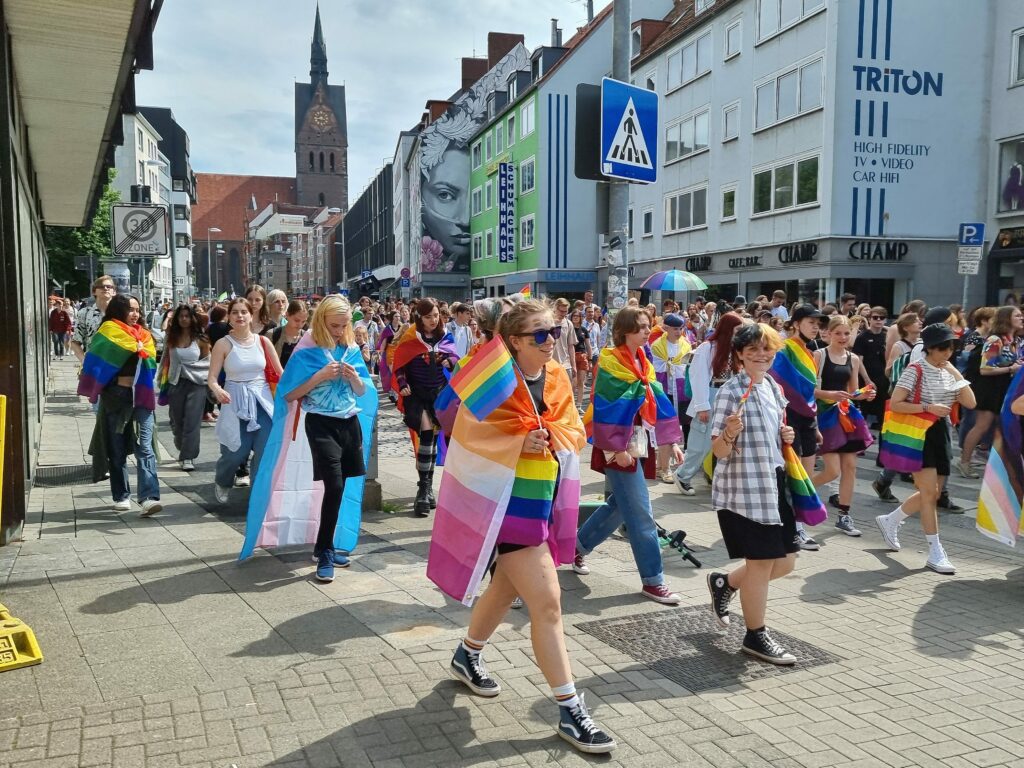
(893, 80)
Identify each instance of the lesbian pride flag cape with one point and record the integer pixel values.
(487, 473)
(1002, 489)
(111, 346)
(794, 370)
(284, 507)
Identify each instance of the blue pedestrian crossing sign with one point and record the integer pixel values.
(629, 132)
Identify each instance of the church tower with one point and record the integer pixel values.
(321, 133)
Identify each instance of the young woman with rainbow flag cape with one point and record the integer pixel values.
(308, 488)
(758, 522)
(509, 501)
(119, 372)
(629, 406)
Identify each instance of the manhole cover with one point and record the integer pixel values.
(686, 646)
(62, 474)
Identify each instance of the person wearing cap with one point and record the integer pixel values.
(669, 353)
(999, 362)
(931, 385)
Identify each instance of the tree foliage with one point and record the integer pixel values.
(65, 244)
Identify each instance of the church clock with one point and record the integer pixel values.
(321, 118)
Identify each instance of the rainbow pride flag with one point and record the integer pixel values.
(621, 390)
(110, 348)
(486, 380)
(807, 506)
(1002, 490)
(902, 446)
(795, 372)
(525, 291)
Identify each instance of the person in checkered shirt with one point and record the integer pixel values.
(749, 488)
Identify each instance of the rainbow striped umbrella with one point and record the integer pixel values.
(674, 280)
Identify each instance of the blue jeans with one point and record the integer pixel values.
(627, 503)
(118, 446)
(698, 443)
(252, 442)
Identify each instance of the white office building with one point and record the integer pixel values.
(829, 146)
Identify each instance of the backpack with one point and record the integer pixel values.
(898, 366)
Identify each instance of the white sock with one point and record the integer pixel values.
(565, 695)
(799, 527)
(934, 546)
(897, 516)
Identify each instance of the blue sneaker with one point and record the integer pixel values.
(325, 566)
(469, 668)
(340, 558)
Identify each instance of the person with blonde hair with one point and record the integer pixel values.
(277, 305)
(509, 499)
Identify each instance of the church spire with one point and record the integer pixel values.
(318, 53)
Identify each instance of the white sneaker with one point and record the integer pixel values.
(187, 465)
(221, 494)
(939, 563)
(684, 488)
(242, 482)
(151, 507)
(122, 506)
(668, 476)
(891, 533)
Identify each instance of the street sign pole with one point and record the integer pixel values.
(970, 244)
(618, 193)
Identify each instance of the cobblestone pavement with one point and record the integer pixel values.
(162, 650)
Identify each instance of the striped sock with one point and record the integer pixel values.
(473, 647)
(565, 695)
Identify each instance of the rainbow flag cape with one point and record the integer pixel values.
(795, 372)
(621, 391)
(840, 423)
(284, 506)
(490, 486)
(486, 380)
(1002, 489)
(807, 506)
(163, 381)
(111, 346)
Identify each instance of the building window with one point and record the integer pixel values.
(526, 124)
(629, 224)
(526, 233)
(181, 240)
(789, 94)
(140, 139)
(651, 80)
(730, 121)
(789, 185)
(478, 252)
(499, 139)
(489, 244)
(321, 162)
(477, 156)
(1017, 58)
(312, 162)
(488, 147)
(475, 198)
(527, 182)
(637, 40)
(703, 5)
(332, 162)
(690, 62)
(1011, 175)
(647, 217)
(320, 198)
(178, 185)
(733, 39)
(489, 195)
(686, 137)
(686, 210)
(511, 132)
(180, 213)
(142, 172)
(729, 203)
(774, 16)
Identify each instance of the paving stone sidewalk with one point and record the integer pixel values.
(162, 650)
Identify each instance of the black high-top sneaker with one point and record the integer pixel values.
(576, 726)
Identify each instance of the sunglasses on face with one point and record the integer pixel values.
(878, 317)
(540, 336)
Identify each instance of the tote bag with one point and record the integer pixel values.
(902, 445)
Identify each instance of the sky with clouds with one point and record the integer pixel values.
(226, 68)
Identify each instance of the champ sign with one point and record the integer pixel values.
(138, 231)
(629, 132)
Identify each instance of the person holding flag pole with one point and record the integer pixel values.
(509, 503)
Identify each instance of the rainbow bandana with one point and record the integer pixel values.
(1002, 490)
(111, 347)
(624, 389)
(795, 372)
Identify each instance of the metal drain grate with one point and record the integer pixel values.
(60, 475)
(686, 646)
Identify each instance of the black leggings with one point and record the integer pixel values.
(336, 448)
(334, 489)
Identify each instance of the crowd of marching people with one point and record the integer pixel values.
(771, 403)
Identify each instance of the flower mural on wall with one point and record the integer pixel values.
(445, 170)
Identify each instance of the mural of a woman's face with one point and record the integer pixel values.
(445, 209)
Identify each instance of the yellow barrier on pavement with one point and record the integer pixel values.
(18, 646)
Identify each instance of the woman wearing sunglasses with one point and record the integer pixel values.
(628, 408)
(523, 458)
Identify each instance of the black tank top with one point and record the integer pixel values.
(836, 376)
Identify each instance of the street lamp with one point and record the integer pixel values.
(209, 260)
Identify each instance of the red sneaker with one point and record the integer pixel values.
(661, 594)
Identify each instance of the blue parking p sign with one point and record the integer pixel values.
(971, 233)
(629, 132)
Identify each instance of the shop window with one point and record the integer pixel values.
(1011, 175)
(774, 187)
(690, 62)
(686, 210)
(733, 39)
(791, 93)
(774, 16)
(687, 137)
